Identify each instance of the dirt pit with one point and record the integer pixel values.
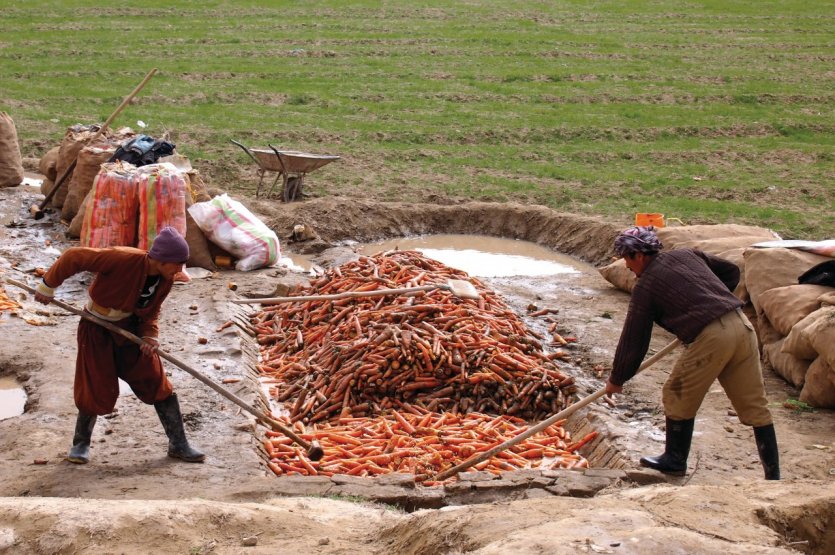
(131, 498)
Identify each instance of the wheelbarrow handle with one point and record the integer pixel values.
(280, 161)
(249, 152)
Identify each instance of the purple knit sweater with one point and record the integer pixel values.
(683, 290)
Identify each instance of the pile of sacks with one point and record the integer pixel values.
(795, 322)
(118, 204)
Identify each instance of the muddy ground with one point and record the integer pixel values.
(131, 498)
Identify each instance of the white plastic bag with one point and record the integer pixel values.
(229, 224)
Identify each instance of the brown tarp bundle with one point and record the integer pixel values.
(11, 164)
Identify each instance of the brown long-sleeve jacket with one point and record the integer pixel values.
(121, 273)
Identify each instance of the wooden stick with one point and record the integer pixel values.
(263, 417)
(565, 413)
(345, 295)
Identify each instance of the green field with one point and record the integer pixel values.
(709, 111)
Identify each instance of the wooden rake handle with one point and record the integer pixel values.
(345, 295)
(260, 415)
(565, 413)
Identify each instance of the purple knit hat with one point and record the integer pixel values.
(169, 246)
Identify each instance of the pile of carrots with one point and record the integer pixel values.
(409, 383)
(363, 356)
(422, 444)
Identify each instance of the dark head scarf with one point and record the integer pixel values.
(637, 239)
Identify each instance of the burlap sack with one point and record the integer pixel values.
(197, 187)
(46, 186)
(74, 140)
(786, 306)
(11, 164)
(74, 229)
(792, 369)
(765, 331)
(48, 163)
(619, 275)
(821, 334)
(799, 344)
(90, 159)
(671, 237)
(199, 254)
(769, 268)
(827, 299)
(819, 389)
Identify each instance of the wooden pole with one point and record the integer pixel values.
(565, 413)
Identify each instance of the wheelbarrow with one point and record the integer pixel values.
(289, 165)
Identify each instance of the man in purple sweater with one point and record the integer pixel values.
(688, 293)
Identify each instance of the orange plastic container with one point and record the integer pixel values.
(642, 219)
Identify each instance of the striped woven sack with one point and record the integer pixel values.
(111, 216)
(162, 202)
(229, 224)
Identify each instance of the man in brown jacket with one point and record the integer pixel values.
(128, 291)
(688, 293)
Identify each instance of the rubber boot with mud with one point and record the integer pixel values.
(172, 421)
(80, 450)
(674, 459)
(767, 448)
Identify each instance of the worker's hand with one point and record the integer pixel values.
(149, 345)
(44, 293)
(612, 389)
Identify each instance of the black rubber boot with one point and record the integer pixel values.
(767, 448)
(674, 459)
(172, 421)
(80, 450)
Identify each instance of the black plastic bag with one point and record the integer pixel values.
(822, 274)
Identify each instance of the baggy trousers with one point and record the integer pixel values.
(103, 357)
(726, 350)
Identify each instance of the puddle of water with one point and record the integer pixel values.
(483, 256)
(30, 182)
(12, 398)
(295, 262)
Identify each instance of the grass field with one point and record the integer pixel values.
(709, 111)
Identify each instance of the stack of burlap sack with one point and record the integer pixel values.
(795, 322)
(80, 145)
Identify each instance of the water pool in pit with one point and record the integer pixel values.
(12, 398)
(478, 255)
